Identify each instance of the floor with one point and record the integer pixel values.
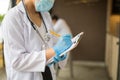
(84, 72)
(80, 71)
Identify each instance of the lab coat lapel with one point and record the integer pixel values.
(22, 10)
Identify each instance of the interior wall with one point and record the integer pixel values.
(89, 18)
(112, 39)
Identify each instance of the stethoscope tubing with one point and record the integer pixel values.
(32, 24)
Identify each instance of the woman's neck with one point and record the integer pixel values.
(30, 6)
(34, 16)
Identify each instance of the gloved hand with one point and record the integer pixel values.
(63, 44)
(59, 58)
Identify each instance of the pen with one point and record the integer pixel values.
(54, 33)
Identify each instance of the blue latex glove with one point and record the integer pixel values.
(57, 59)
(63, 44)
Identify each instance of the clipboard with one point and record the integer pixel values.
(75, 40)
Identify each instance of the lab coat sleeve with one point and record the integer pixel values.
(20, 59)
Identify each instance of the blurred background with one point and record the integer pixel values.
(97, 55)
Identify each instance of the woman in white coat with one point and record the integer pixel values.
(28, 44)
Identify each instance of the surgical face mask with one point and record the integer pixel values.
(43, 5)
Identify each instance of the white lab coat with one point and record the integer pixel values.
(24, 58)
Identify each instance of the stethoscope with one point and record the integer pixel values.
(47, 36)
